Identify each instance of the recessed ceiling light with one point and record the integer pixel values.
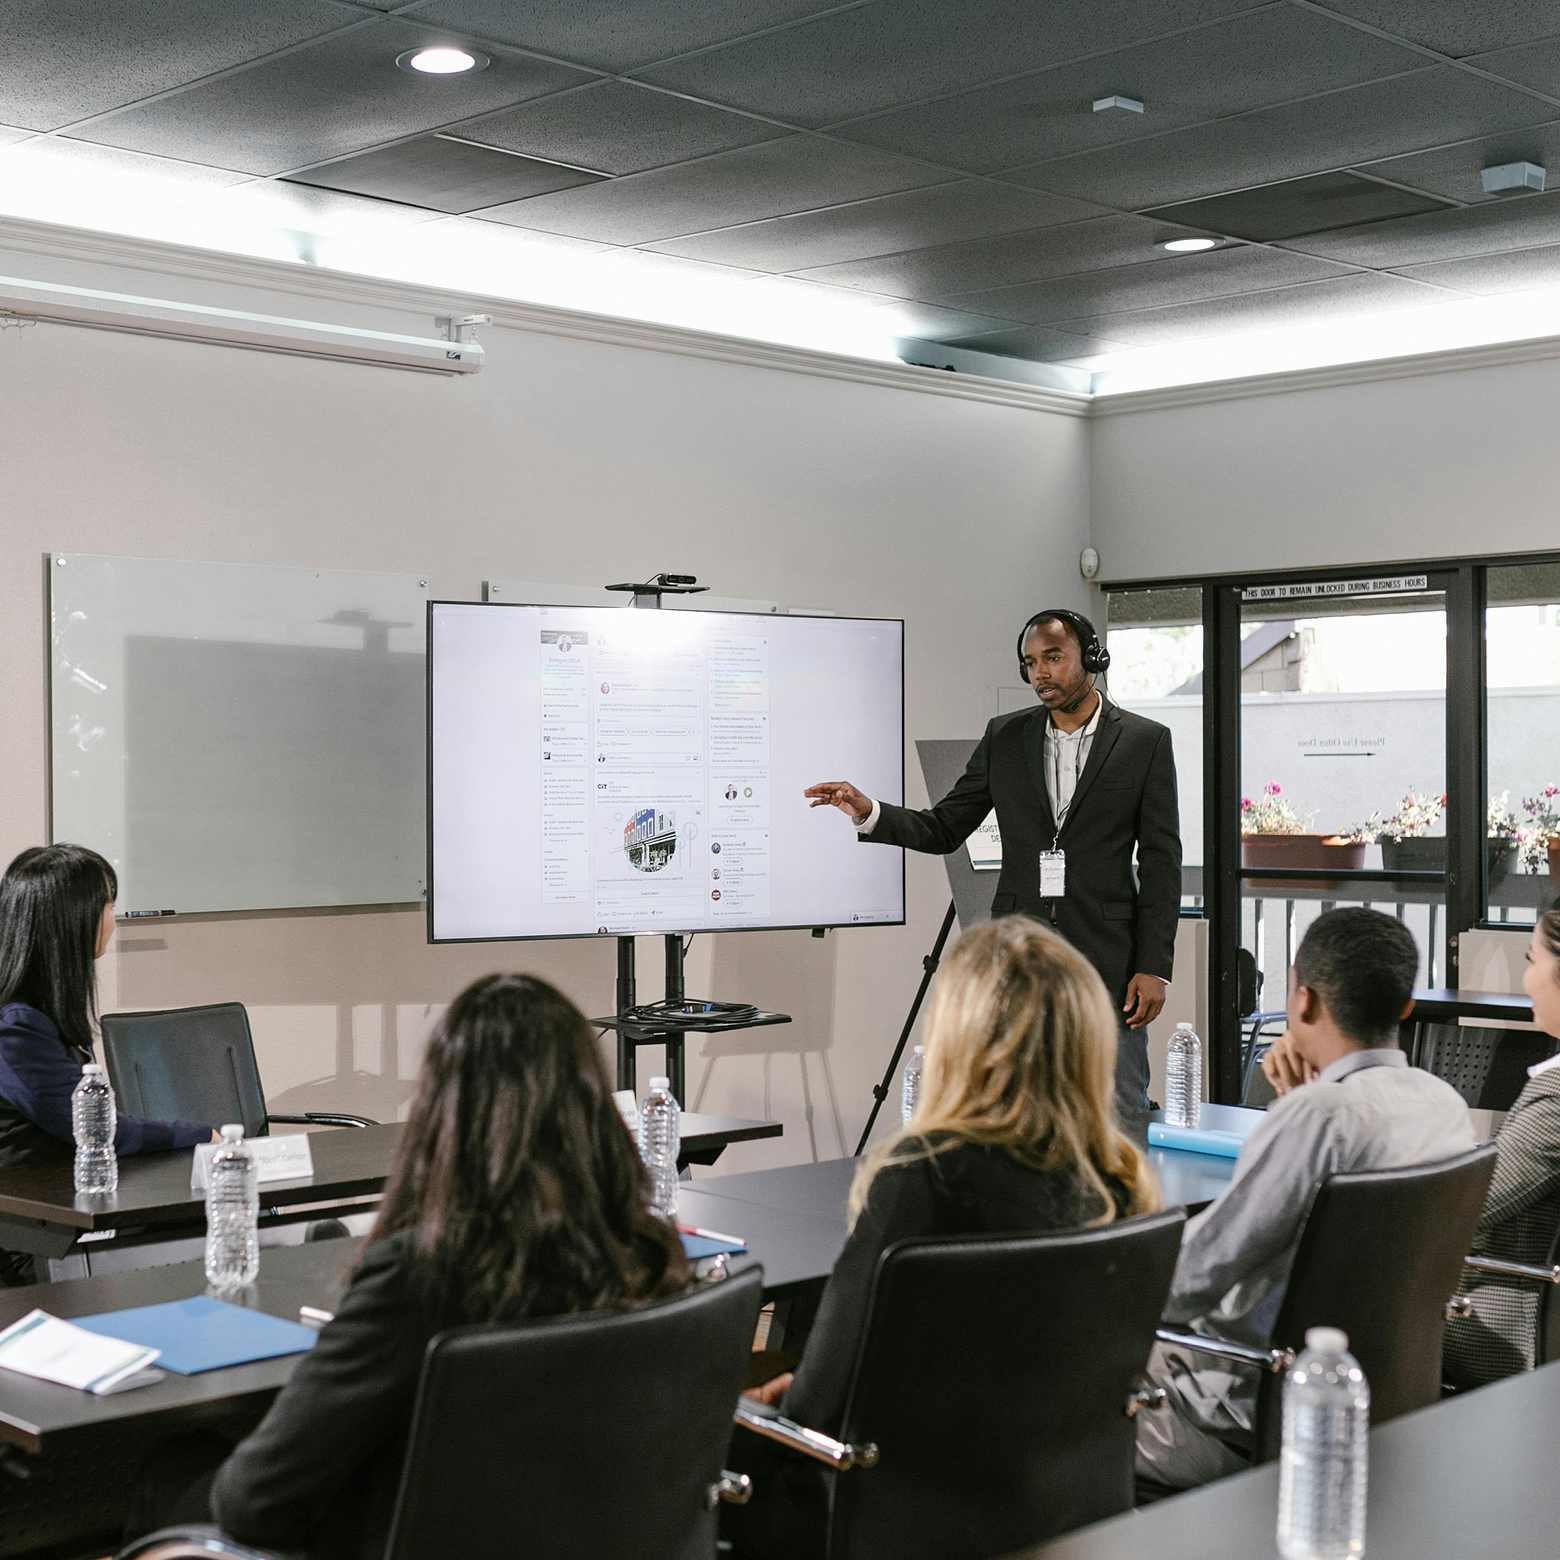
(442, 61)
(1188, 246)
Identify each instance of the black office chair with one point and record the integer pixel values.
(993, 1395)
(1488, 1067)
(1254, 1044)
(593, 1435)
(1379, 1256)
(196, 1064)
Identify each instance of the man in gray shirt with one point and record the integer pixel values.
(1365, 1109)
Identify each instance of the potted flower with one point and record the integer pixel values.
(1273, 834)
(1408, 846)
(1505, 840)
(1541, 832)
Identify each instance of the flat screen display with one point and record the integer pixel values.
(612, 770)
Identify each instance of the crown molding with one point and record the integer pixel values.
(317, 283)
(1453, 360)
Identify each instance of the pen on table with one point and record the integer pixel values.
(693, 1229)
(143, 915)
(312, 1316)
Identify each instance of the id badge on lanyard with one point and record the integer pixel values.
(1053, 874)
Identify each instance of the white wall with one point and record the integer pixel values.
(567, 459)
(1441, 464)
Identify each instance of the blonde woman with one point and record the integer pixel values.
(1015, 1133)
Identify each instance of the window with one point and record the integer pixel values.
(1522, 682)
(1155, 638)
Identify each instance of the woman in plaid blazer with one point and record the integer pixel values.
(1521, 1218)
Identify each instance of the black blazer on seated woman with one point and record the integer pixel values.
(320, 1472)
(965, 1190)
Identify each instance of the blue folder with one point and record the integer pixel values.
(697, 1247)
(203, 1334)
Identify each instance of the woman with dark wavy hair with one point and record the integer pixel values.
(56, 919)
(517, 1192)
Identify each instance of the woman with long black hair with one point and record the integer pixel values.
(56, 919)
(517, 1192)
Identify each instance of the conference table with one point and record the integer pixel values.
(42, 1213)
(1471, 1476)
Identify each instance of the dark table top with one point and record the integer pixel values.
(1440, 1004)
(349, 1163)
(794, 1248)
(35, 1415)
(1186, 1180)
(1472, 1476)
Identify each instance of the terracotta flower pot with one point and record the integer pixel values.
(1296, 852)
(1554, 860)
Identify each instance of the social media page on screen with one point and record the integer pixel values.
(605, 770)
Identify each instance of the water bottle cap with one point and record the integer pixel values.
(92, 1067)
(1187, 1027)
(920, 1050)
(1327, 1340)
(233, 1132)
(660, 1083)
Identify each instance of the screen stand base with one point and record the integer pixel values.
(929, 965)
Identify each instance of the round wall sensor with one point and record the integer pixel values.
(1088, 563)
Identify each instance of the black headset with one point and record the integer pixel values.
(1096, 658)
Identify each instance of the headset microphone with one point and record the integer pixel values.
(1095, 657)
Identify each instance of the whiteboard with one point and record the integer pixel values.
(240, 736)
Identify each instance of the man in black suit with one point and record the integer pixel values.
(1077, 785)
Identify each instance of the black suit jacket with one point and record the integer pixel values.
(321, 1471)
(1123, 923)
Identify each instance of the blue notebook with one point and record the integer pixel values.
(203, 1334)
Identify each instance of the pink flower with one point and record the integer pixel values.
(1246, 804)
(1552, 790)
(1273, 788)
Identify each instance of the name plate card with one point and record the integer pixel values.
(286, 1158)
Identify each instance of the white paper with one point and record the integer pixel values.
(985, 845)
(44, 1347)
(287, 1158)
(628, 1108)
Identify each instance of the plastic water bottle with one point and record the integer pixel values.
(660, 1135)
(93, 1120)
(1183, 1078)
(1324, 1467)
(232, 1213)
(910, 1085)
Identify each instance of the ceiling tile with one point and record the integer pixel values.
(1518, 270)
(1241, 63)
(1454, 170)
(277, 203)
(338, 96)
(972, 208)
(616, 34)
(772, 179)
(1294, 206)
(1006, 260)
(8, 135)
(1382, 119)
(1314, 303)
(1455, 27)
(873, 57)
(63, 60)
(1176, 279)
(616, 127)
(450, 176)
(1533, 64)
(1520, 223)
(1037, 343)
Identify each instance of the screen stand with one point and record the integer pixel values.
(928, 969)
